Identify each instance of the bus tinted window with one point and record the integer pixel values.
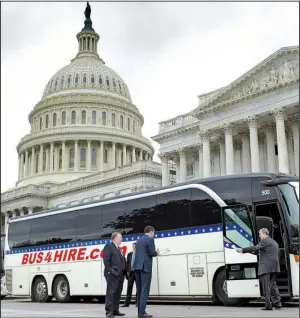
(39, 229)
(233, 191)
(204, 209)
(113, 218)
(89, 224)
(173, 210)
(18, 234)
(139, 214)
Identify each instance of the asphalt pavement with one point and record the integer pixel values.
(26, 308)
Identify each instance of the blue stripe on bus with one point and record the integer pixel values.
(131, 238)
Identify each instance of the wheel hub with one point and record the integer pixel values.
(41, 290)
(225, 286)
(62, 289)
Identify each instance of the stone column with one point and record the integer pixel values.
(41, 158)
(261, 145)
(228, 129)
(289, 134)
(14, 214)
(6, 217)
(200, 158)
(124, 155)
(295, 129)
(113, 156)
(76, 161)
(283, 161)
(22, 166)
(89, 163)
(222, 152)
(182, 157)
(254, 148)
(177, 165)
(55, 158)
(270, 148)
(33, 170)
(51, 156)
(47, 159)
(165, 169)
(30, 209)
(141, 155)
(63, 156)
(21, 211)
(26, 164)
(101, 159)
(206, 155)
(133, 155)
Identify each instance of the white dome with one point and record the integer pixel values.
(87, 72)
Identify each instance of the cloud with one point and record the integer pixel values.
(168, 53)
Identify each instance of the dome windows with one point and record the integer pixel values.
(94, 117)
(121, 122)
(84, 79)
(94, 158)
(113, 120)
(107, 81)
(41, 123)
(83, 117)
(69, 80)
(63, 118)
(54, 119)
(73, 117)
(92, 79)
(82, 158)
(104, 118)
(133, 126)
(114, 83)
(71, 158)
(100, 80)
(47, 121)
(76, 79)
(128, 124)
(62, 81)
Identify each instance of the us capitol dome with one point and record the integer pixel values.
(85, 122)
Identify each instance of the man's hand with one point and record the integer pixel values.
(239, 250)
(158, 251)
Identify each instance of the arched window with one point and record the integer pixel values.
(71, 158)
(60, 159)
(93, 79)
(84, 79)
(122, 161)
(47, 121)
(113, 120)
(44, 160)
(62, 81)
(69, 80)
(114, 83)
(54, 119)
(105, 156)
(100, 80)
(128, 124)
(73, 117)
(82, 158)
(83, 117)
(107, 81)
(121, 122)
(133, 126)
(94, 117)
(120, 88)
(94, 158)
(76, 79)
(37, 157)
(63, 118)
(103, 118)
(55, 84)
(41, 123)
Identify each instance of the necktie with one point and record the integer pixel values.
(132, 259)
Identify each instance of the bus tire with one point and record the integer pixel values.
(61, 289)
(221, 292)
(40, 290)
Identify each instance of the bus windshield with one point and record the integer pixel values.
(290, 193)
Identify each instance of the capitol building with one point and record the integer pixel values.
(86, 139)
(85, 142)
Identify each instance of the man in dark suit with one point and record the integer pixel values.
(268, 267)
(131, 276)
(145, 251)
(114, 272)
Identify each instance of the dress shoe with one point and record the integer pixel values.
(278, 306)
(145, 315)
(125, 305)
(266, 308)
(109, 315)
(117, 313)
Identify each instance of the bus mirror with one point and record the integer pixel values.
(265, 222)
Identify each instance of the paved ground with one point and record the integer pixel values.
(25, 308)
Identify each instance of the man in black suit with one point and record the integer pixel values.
(131, 276)
(114, 272)
(145, 251)
(268, 267)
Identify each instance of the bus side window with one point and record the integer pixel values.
(173, 211)
(89, 224)
(204, 209)
(139, 214)
(113, 219)
(18, 234)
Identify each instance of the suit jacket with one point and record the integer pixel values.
(128, 262)
(145, 251)
(114, 261)
(268, 250)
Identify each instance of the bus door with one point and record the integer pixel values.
(241, 269)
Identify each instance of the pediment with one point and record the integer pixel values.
(279, 69)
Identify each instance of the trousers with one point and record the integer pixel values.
(113, 292)
(270, 289)
(130, 283)
(143, 282)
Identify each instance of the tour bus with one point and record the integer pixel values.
(3, 289)
(58, 253)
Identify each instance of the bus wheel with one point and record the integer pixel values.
(220, 287)
(61, 289)
(40, 290)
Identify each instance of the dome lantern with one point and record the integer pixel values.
(87, 38)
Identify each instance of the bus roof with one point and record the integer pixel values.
(195, 181)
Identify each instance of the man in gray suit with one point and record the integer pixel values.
(268, 267)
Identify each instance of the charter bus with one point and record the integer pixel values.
(58, 253)
(3, 289)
